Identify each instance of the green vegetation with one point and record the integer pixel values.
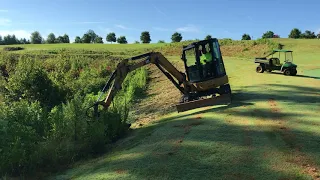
(145, 37)
(43, 111)
(246, 37)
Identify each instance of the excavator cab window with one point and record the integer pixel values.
(203, 61)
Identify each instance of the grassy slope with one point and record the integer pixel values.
(270, 131)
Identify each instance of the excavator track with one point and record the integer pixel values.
(223, 99)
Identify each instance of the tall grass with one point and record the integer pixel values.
(41, 132)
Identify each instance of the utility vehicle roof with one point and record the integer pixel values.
(281, 50)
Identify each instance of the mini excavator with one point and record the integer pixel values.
(204, 82)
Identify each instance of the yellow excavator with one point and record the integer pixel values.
(204, 82)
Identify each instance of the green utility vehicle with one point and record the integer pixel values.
(272, 63)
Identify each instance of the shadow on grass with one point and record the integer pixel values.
(298, 75)
(194, 149)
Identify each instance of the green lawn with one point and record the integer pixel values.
(110, 47)
(270, 131)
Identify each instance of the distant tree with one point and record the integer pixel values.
(268, 34)
(111, 37)
(308, 35)
(36, 38)
(208, 37)
(23, 41)
(98, 40)
(295, 33)
(77, 39)
(176, 37)
(318, 35)
(276, 36)
(145, 37)
(51, 38)
(66, 38)
(92, 35)
(161, 41)
(86, 38)
(122, 40)
(246, 37)
(10, 39)
(59, 39)
(1, 40)
(136, 42)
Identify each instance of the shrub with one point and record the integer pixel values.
(13, 48)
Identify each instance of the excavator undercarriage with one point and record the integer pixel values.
(204, 82)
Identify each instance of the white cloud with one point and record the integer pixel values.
(121, 26)
(18, 33)
(5, 22)
(160, 29)
(3, 10)
(189, 28)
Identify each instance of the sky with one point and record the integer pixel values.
(194, 19)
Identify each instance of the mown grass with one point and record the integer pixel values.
(270, 131)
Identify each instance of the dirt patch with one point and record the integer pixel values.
(121, 171)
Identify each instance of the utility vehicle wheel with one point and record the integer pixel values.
(269, 70)
(294, 72)
(259, 69)
(287, 72)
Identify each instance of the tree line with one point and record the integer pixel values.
(91, 37)
(294, 34)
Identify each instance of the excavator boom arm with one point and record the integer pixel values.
(116, 79)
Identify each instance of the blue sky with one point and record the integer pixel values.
(193, 19)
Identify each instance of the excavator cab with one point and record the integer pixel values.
(204, 70)
(203, 61)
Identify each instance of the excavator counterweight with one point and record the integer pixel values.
(204, 82)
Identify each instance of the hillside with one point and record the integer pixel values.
(270, 131)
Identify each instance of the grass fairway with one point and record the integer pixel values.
(270, 131)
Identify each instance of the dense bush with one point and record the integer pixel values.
(43, 122)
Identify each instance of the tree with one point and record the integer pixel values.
(111, 37)
(308, 35)
(176, 37)
(268, 34)
(60, 39)
(77, 39)
(66, 38)
(51, 38)
(145, 37)
(86, 38)
(246, 37)
(136, 42)
(161, 41)
(1, 41)
(122, 40)
(295, 33)
(36, 38)
(98, 40)
(92, 35)
(208, 37)
(318, 35)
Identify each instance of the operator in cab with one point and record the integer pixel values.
(205, 60)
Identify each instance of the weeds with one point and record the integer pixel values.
(42, 116)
